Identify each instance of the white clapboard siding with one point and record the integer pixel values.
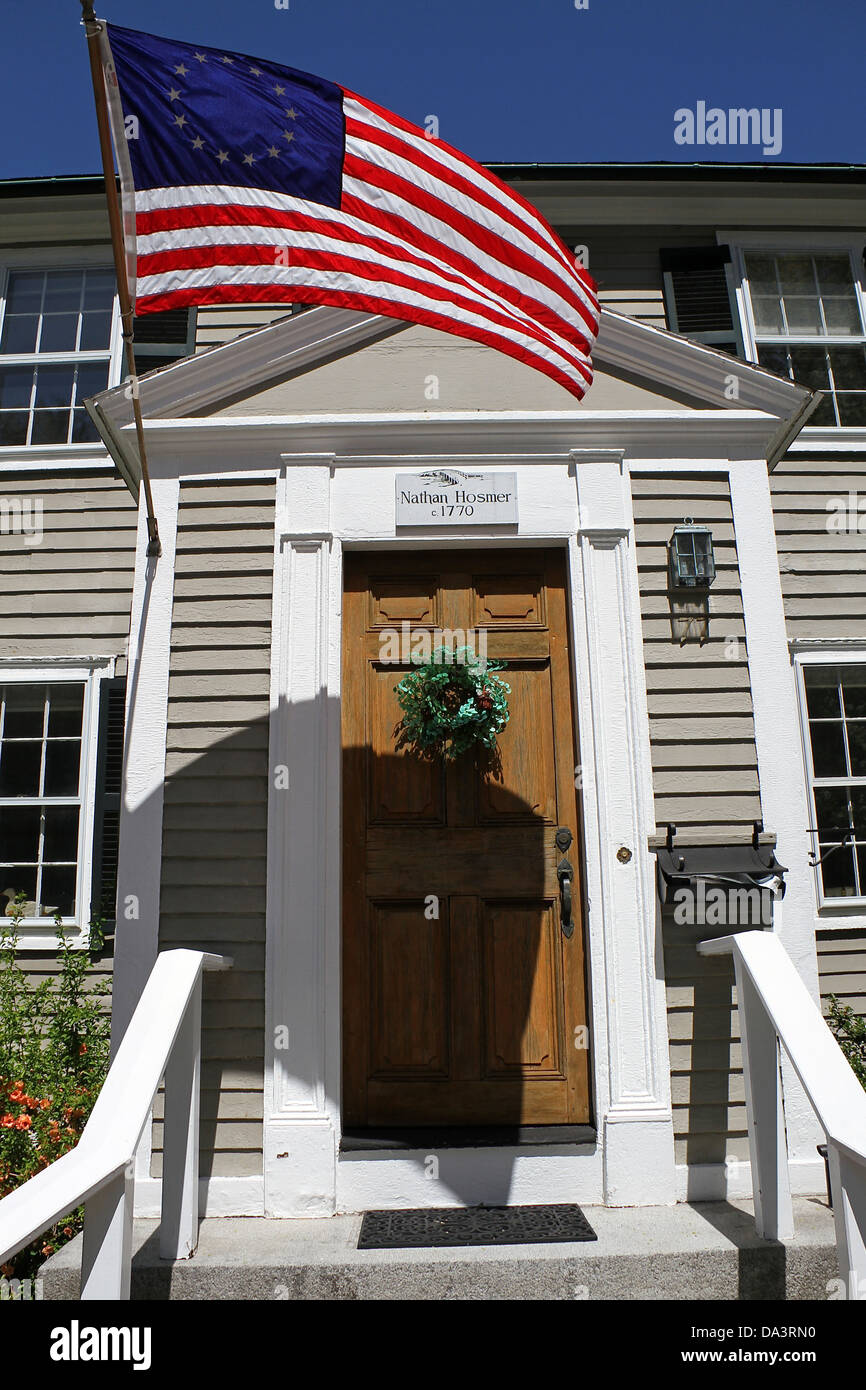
(70, 593)
(700, 707)
(823, 569)
(842, 967)
(214, 866)
(705, 780)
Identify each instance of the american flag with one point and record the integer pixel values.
(244, 180)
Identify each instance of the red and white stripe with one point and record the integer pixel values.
(423, 234)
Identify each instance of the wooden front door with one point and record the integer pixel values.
(464, 1002)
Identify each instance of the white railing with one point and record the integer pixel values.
(773, 1003)
(163, 1039)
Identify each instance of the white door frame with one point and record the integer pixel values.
(326, 502)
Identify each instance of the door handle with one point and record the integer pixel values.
(565, 875)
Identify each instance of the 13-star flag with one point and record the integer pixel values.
(245, 180)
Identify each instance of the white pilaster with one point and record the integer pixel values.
(300, 1139)
(637, 1127)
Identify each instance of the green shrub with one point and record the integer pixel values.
(849, 1030)
(54, 1054)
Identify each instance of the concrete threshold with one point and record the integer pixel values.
(706, 1250)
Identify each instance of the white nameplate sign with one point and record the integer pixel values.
(449, 497)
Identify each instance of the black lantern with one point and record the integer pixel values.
(693, 564)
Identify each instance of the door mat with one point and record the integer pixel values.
(444, 1226)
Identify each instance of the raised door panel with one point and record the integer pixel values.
(409, 991)
(521, 990)
(523, 785)
(401, 788)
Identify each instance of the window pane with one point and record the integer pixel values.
(858, 807)
(19, 333)
(83, 429)
(54, 386)
(24, 295)
(834, 274)
(775, 359)
(842, 315)
(761, 271)
(796, 275)
(61, 768)
(99, 291)
(837, 873)
(15, 387)
(824, 415)
(92, 378)
(58, 891)
(810, 367)
(63, 291)
(768, 313)
(61, 834)
(19, 836)
(59, 333)
(803, 315)
(831, 806)
(13, 426)
(19, 769)
(852, 408)
(66, 703)
(857, 748)
(25, 711)
(828, 750)
(50, 427)
(95, 332)
(849, 367)
(822, 692)
(854, 691)
(18, 878)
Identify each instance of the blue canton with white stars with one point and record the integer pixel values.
(208, 116)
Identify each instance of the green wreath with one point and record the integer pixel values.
(451, 702)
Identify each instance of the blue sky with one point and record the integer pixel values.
(509, 80)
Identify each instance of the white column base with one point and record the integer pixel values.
(300, 1168)
(639, 1166)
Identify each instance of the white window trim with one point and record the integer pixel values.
(40, 934)
(833, 913)
(62, 258)
(816, 243)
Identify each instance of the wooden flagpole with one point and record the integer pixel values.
(91, 29)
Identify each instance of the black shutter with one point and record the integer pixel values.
(109, 771)
(697, 295)
(171, 326)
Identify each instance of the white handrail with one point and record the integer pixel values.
(774, 1003)
(163, 1039)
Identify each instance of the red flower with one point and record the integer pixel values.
(82, 1049)
(7, 1121)
(17, 1094)
(23, 1122)
(44, 1104)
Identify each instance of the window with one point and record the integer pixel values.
(61, 742)
(806, 322)
(55, 350)
(59, 337)
(835, 712)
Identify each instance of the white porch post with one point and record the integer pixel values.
(637, 1125)
(300, 1140)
